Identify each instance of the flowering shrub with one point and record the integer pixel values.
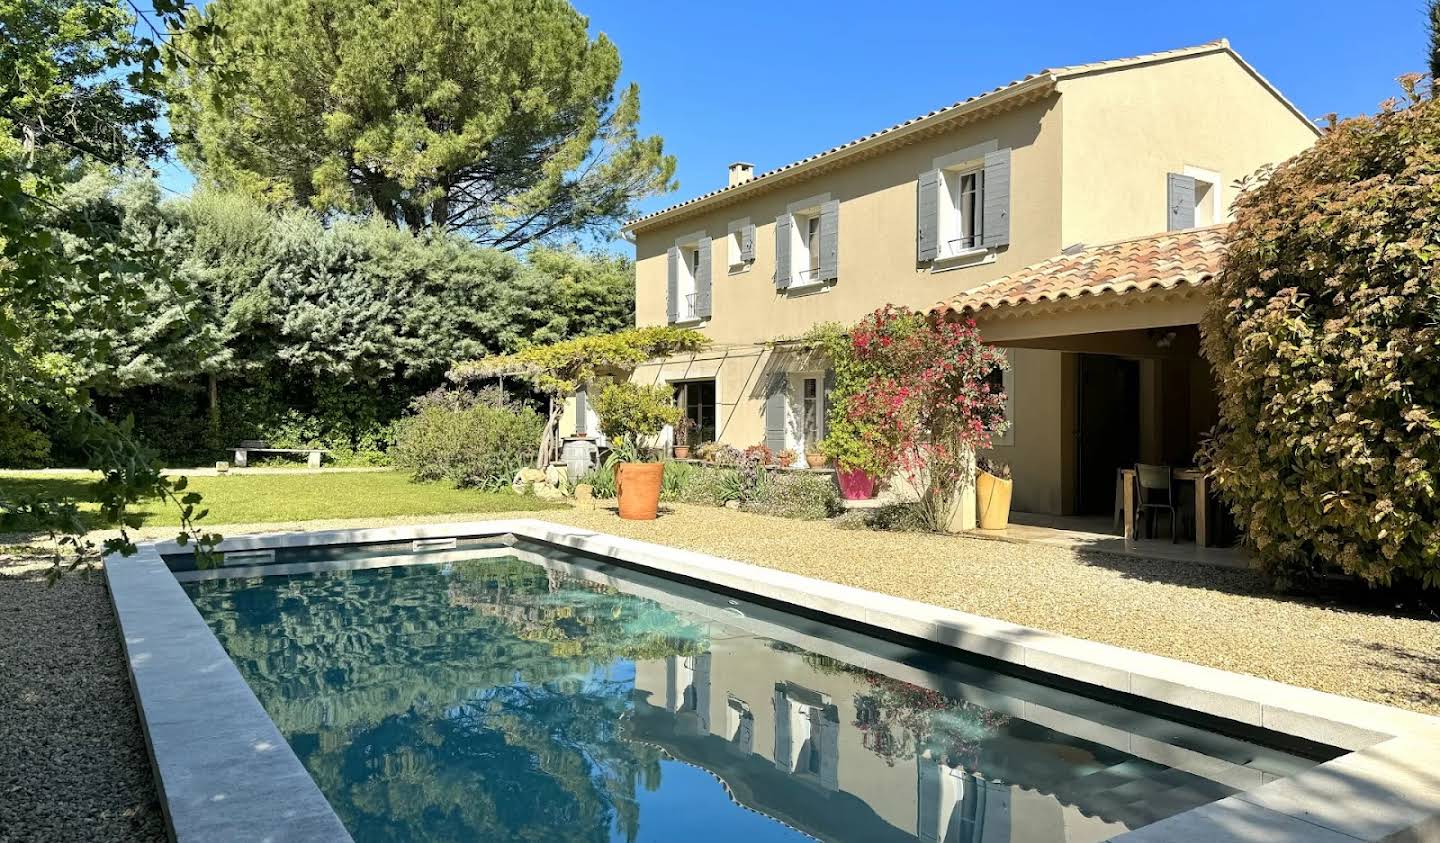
(927, 403)
(1323, 335)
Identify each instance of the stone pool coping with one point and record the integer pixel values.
(1386, 788)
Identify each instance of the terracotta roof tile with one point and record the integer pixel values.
(1164, 261)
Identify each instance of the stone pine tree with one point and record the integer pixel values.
(501, 119)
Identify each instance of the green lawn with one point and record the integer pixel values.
(258, 498)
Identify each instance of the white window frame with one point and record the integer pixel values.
(734, 232)
(795, 412)
(953, 214)
(805, 267)
(1214, 198)
(952, 167)
(685, 288)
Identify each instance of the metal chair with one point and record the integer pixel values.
(1155, 491)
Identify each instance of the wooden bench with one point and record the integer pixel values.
(245, 449)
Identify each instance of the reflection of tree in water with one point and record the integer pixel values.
(899, 721)
(480, 699)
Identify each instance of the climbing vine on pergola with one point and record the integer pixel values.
(559, 369)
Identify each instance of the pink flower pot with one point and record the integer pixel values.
(855, 485)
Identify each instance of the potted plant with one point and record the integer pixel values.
(815, 457)
(629, 415)
(683, 428)
(786, 458)
(854, 461)
(993, 485)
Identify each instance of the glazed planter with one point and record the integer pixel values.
(682, 452)
(855, 484)
(992, 500)
(637, 485)
(816, 460)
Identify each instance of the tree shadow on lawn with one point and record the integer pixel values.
(1339, 593)
(80, 490)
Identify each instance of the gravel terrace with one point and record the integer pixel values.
(72, 756)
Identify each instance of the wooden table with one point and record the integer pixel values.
(1194, 475)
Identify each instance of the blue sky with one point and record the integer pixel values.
(723, 82)
(771, 82)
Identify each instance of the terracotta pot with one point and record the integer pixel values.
(992, 500)
(855, 485)
(637, 485)
(682, 452)
(816, 460)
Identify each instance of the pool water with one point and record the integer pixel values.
(522, 694)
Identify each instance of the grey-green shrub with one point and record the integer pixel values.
(713, 487)
(795, 495)
(677, 479)
(480, 445)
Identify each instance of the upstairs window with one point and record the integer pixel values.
(962, 214)
(687, 289)
(807, 245)
(690, 270)
(806, 262)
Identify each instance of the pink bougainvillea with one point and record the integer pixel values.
(929, 401)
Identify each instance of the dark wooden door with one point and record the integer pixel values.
(1108, 429)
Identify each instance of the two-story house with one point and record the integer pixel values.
(1073, 213)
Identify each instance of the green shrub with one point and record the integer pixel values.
(800, 495)
(601, 480)
(677, 478)
(1323, 334)
(22, 446)
(480, 445)
(713, 487)
(908, 517)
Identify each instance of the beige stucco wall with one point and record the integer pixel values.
(1089, 165)
(1124, 131)
(877, 261)
(1039, 431)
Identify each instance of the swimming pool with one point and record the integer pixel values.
(513, 690)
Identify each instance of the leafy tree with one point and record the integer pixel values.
(558, 369)
(1322, 335)
(76, 93)
(498, 118)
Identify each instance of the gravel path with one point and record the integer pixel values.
(72, 756)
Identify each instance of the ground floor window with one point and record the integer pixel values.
(697, 398)
(811, 413)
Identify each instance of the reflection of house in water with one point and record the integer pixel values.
(803, 759)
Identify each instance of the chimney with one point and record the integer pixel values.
(740, 171)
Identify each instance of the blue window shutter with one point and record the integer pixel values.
(1180, 196)
(830, 240)
(782, 251)
(776, 397)
(996, 217)
(927, 215)
(582, 411)
(702, 281)
(672, 287)
(747, 243)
